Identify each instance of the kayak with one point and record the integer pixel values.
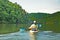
(33, 32)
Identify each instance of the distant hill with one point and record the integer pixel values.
(39, 17)
(48, 21)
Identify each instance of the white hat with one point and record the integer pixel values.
(34, 21)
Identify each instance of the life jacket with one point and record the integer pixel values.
(33, 29)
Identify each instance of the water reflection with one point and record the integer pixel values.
(33, 36)
(28, 36)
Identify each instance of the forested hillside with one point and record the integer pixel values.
(48, 21)
(39, 17)
(11, 12)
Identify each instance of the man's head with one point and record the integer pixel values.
(34, 22)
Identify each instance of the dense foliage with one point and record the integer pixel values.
(11, 12)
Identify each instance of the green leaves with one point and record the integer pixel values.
(10, 12)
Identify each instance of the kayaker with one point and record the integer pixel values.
(33, 27)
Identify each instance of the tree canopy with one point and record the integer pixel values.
(11, 12)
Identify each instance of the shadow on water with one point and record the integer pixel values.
(26, 36)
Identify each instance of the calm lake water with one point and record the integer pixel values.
(26, 36)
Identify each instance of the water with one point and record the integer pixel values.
(27, 36)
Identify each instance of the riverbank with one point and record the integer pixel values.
(10, 28)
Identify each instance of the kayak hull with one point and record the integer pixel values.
(33, 32)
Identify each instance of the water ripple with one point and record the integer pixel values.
(25, 36)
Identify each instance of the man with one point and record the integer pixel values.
(33, 27)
